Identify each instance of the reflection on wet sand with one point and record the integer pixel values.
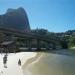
(51, 64)
(30, 61)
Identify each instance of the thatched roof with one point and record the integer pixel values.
(7, 43)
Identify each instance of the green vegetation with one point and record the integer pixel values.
(63, 40)
(72, 42)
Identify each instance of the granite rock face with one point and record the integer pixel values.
(16, 19)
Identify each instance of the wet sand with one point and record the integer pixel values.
(53, 64)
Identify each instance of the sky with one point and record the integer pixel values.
(53, 15)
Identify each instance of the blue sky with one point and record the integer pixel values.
(53, 15)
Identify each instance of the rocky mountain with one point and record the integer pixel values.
(15, 19)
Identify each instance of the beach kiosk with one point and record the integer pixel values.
(8, 47)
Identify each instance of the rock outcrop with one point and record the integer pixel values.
(15, 19)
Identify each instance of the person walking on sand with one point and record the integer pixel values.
(19, 62)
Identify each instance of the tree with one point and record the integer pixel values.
(72, 41)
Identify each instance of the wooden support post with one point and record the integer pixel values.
(29, 44)
(6, 50)
(38, 45)
(47, 46)
(54, 46)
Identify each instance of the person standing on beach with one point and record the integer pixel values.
(5, 61)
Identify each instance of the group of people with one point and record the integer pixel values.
(5, 61)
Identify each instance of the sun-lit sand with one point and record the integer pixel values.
(12, 63)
